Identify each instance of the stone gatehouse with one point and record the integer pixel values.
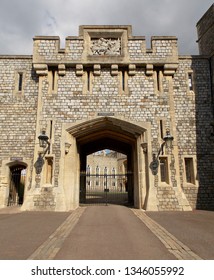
(107, 90)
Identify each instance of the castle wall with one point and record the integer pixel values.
(205, 28)
(18, 107)
(156, 87)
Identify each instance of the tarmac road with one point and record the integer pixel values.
(194, 228)
(22, 233)
(111, 232)
(106, 232)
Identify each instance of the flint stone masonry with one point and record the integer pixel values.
(131, 97)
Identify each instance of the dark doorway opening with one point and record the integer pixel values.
(105, 180)
(106, 183)
(17, 185)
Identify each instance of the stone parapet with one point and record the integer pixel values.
(105, 45)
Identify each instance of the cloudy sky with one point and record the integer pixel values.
(21, 20)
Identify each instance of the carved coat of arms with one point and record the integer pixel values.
(104, 46)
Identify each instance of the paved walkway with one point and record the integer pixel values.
(112, 232)
(21, 233)
(174, 246)
(106, 232)
(195, 229)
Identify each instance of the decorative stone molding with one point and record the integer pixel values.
(132, 69)
(114, 69)
(67, 147)
(149, 69)
(79, 69)
(97, 69)
(61, 69)
(169, 69)
(103, 46)
(41, 69)
(144, 146)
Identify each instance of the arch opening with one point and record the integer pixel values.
(17, 184)
(124, 145)
(106, 176)
(115, 134)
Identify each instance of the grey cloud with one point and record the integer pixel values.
(21, 20)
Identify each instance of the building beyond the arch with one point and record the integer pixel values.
(107, 90)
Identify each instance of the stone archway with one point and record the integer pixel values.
(17, 185)
(118, 134)
(14, 181)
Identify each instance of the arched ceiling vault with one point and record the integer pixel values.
(105, 143)
(105, 128)
(106, 133)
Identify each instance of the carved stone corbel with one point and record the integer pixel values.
(61, 69)
(144, 146)
(169, 69)
(149, 69)
(79, 69)
(132, 69)
(97, 70)
(114, 69)
(67, 147)
(41, 69)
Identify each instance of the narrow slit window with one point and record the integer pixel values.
(190, 81)
(161, 129)
(158, 80)
(189, 170)
(123, 80)
(88, 80)
(20, 85)
(53, 73)
(164, 173)
(51, 129)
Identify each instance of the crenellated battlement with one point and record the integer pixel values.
(105, 45)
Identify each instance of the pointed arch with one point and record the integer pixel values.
(107, 132)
